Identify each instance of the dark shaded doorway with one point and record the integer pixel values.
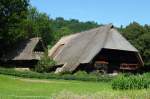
(114, 59)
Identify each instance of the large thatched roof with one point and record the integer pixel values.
(24, 50)
(82, 47)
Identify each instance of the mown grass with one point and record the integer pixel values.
(19, 88)
(13, 86)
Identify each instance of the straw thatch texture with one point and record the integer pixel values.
(116, 41)
(25, 51)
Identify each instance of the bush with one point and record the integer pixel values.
(94, 76)
(83, 76)
(146, 75)
(130, 82)
(45, 64)
(80, 75)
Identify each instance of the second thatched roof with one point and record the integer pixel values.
(25, 50)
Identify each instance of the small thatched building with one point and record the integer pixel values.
(25, 53)
(96, 47)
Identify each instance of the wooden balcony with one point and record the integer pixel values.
(126, 66)
(101, 62)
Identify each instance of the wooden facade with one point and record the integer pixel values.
(116, 60)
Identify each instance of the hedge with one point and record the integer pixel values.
(81, 76)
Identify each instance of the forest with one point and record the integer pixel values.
(19, 20)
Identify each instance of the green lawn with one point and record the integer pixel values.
(20, 88)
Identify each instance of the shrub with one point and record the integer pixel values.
(94, 76)
(130, 82)
(80, 75)
(45, 64)
(83, 76)
(147, 75)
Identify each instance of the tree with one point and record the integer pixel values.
(38, 25)
(144, 42)
(139, 36)
(63, 31)
(62, 27)
(12, 15)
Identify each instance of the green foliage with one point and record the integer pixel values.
(21, 88)
(38, 25)
(18, 20)
(81, 76)
(26, 74)
(45, 64)
(139, 36)
(62, 27)
(123, 82)
(12, 16)
(81, 73)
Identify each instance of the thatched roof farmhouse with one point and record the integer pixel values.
(27, 51)
(104, 45)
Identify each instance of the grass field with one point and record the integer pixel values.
(19, 88)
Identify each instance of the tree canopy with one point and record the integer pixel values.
(139, 36)
(12, 15)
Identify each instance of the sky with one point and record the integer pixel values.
(117, 12)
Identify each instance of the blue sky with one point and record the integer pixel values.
(118, 12)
